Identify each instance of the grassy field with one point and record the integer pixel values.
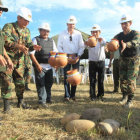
(41, 124)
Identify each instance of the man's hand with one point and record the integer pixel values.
(10, 64)
(37, 47)
(39, 68)
(123, 46)
(22, 48)
(2, 61)
(100, 39)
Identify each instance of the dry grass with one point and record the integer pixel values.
(40, 124)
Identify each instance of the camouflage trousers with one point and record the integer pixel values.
(129, 69)
(17, 76)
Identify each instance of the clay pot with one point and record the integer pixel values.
(113, 45)
(74, 77)
(92, 42)
(51, 59)
(61, 60)
(71, 59)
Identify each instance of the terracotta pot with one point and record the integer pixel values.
(113, 45)
(92, 42)
(51, 59)
(61, 59)
(74, 77)
(71, 59)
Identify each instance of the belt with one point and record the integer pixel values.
(72, 55)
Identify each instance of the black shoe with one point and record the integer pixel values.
(100, 98)
(49, 101)
(6, 109)
(73, 98)
(43, 105)
(22, 104)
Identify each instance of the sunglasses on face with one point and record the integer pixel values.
(1, 9)
(70, 38)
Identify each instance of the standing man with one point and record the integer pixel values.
(116, 71)
(129, 41)
(71, 42)
(43, 71)
(96, 64)
(5, 63)
(17, 44)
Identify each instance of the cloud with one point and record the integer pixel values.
(50, 4)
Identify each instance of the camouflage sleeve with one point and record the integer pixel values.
(135, 42)
(10, 39)
(29, 43)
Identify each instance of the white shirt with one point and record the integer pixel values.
(98, 52)
(70, 47)
(44, 65)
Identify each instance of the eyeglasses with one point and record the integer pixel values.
(1, 9)
(70, 38)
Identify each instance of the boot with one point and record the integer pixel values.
(123, 100)
(26, 87)
(129, 102)
(22, 104)
(6, 106)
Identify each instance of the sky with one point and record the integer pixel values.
(106, 13)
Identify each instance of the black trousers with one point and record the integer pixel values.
(96, 68)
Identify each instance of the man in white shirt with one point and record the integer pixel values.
(96, 64)
(71, 42)
(43, 71)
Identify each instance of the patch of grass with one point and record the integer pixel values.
(41, 124)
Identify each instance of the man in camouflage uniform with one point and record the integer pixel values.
(129, 41)
(5, 61)
(17, 43)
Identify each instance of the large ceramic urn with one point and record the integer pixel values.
(51, 59)
(113, 45)
(61, 60)
(92, 41)
(74, 77)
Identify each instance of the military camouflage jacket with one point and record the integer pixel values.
(132, 40)
(13, 36)
(2, 48)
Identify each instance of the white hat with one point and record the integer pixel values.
(72, 20)
(25, 13)
(5, 9)
(125, 18)
(45, 26)
(95, 28)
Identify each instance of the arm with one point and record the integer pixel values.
(39, 68)
(9, 62)
(2, 61)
